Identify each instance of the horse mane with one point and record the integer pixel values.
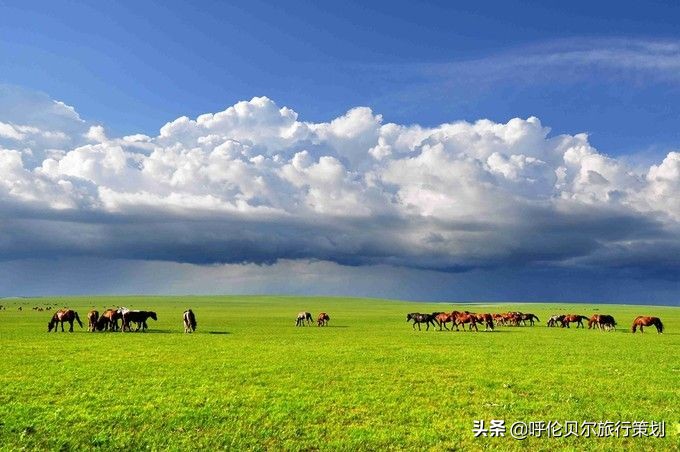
(659, 324)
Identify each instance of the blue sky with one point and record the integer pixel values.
(587, 217)
(134, 65)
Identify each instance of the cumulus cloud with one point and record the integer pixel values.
(255, 183)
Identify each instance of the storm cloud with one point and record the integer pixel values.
(257, 184)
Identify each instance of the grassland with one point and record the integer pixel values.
(248, 379)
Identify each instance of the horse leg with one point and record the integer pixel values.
(70, 330)
(62, 326)
(419, 326)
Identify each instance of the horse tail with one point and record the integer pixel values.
(78, 319)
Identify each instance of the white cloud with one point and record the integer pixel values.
(255, 183)
(9, 131)
(96, 134)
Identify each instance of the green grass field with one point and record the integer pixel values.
(249, 379)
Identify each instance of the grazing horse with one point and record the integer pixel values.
(303, 317)
(139, 317)
(641, 321)
(574, 318)
(486, 319)
(606, 322)
(189, 321)
(419, 318)
(511, 318)
(602, 322)
(109, 320)
(530, 317)
(61, 316)
(554, 320)
(92, 318)
(323, 319)
(461, 318)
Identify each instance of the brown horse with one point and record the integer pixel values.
(61, 316)
(461, 318)
(323, 319)
(442, 319)
(512, 318)
(92, 318)
(641, 321)
(569, 318)
(109, 320)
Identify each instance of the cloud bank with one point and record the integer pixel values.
(256, 183)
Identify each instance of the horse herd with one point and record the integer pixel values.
(603, 322)
(108, 320)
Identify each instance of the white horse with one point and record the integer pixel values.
(302, 317)
(189, 321)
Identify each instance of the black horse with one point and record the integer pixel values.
(418, 318)
(139, 317)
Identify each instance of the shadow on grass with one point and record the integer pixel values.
(219, 332)
(154, 331)
(476, 332)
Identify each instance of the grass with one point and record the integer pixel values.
(248, 379)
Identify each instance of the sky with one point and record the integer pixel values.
(513, 151)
